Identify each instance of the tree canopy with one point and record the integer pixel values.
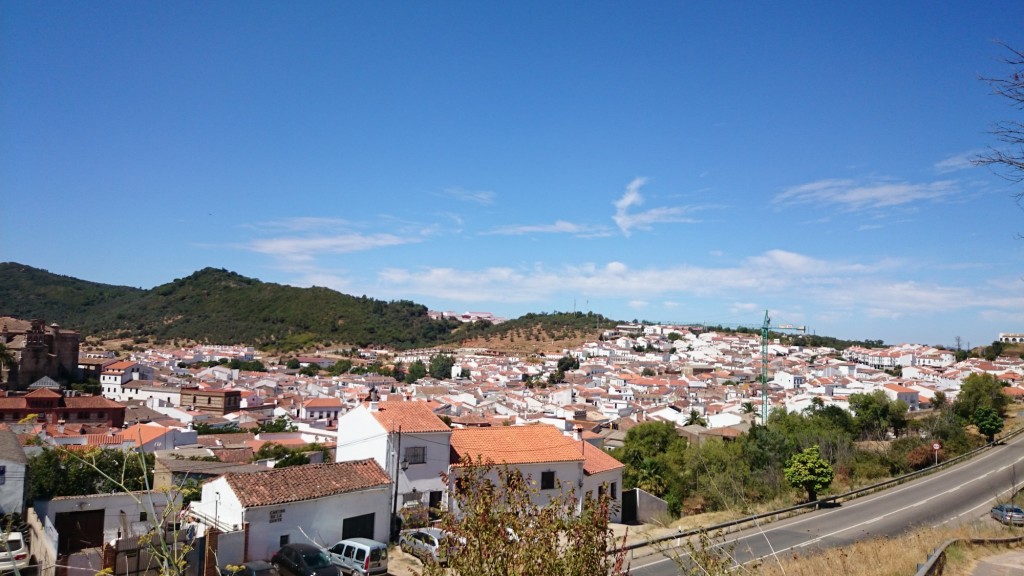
(809, 471)
(980, 390)
(60, 472)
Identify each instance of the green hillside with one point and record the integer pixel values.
(217, 306)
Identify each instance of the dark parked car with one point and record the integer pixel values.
(1008, 514)
(303, 560)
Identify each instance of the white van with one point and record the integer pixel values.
(360, 556)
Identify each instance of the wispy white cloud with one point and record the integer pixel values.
(743, 308)
(775, 271)
(300, 224)
(627, 220)
(957, 162)
(482, 197)
(558, 227)
(833, 289)
(306, 248)
(854, 196)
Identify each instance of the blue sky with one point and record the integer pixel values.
(684, 161)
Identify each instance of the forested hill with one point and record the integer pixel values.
(222, 307)
(217, 306)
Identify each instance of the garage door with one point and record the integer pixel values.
(358, 527)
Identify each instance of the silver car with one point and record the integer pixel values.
(1008, 514)
(427, 544)
(14, 553)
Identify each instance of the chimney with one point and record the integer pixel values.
(577, 433)
(60, 426)
(374, 405)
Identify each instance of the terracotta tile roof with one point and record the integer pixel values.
(324, 403)
(43, 393)
(144, 433)
(233, 455)
(413, 417)
(308, 482)
(514, 445)
(597, 460)
(91, 402)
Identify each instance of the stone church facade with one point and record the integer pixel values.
(39, 350)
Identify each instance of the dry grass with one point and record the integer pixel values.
(889, 556)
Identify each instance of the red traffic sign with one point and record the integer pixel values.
(936, 446)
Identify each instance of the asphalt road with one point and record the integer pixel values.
(960, 493)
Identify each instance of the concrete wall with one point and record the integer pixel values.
(360, 436)
(649, 507)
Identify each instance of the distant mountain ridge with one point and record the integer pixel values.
(218, 306)
(221, 307)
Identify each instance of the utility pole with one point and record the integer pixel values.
(394, 501)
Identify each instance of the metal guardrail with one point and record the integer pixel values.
(936, 562)
(834, 499)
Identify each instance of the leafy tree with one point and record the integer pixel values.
(340, 367)
(293, 364)
(988, 422)
(279, 424)
(647, 372)
(695, 418)
(876, 414)
(271, 451)
(309, 370)
(496, 529)
(441, 366)
(809, 471)
(56, 472)
(398, 371)
(566, 363)
(980, 390)
(202, 429)
(417, 370)
(939, 401)
(292, 459)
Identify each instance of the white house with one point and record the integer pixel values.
(73, 528)
(116, 375)
(145, 390)
(407, 439)
(790, 380)
(318, 503)
(554, 462)
(908, 395)
(326, 409)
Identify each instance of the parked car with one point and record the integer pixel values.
(303, 560)
(360, 556)
(1008, 514)
(253, 568)
(13, 553)
(427, 544)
